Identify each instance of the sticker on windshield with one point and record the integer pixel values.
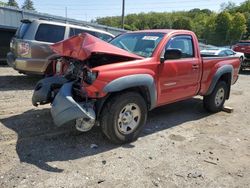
(150, 38)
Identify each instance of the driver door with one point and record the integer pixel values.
(179, 78)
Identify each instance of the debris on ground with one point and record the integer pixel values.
(210, 162)
(228, 109)
(195, 175)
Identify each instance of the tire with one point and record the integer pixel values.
(241, 62)
(215, 101)
(118, 112)
(241, 59)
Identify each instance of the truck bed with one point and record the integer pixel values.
(211, 65)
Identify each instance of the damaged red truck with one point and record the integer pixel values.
(115, 84)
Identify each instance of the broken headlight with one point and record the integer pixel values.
(90, 76)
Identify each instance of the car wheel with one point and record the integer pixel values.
(123, 117)
(215, 101)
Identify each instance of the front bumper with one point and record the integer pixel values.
(45, 89)
(65, 108)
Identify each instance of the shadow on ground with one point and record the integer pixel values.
(18, 82)
(245, 72)
(40, 142)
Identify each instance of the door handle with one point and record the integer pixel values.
(195, 66)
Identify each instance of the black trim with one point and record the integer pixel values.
(131, 81)
(221, 71)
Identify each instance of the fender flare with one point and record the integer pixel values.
(136, 80)
(225, 69)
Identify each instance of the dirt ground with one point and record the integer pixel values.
(181, 146)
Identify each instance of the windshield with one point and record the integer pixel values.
(142, 44)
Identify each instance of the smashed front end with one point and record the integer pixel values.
(68, 98)
(73, 73)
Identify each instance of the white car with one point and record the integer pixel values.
(223, 52)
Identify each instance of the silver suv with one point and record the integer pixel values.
(29, 48)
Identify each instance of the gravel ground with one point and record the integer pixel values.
(181, 146)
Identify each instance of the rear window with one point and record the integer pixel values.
(243, 44)
(75, 31)
(50, 33)
(22, 30)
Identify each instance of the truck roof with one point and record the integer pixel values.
(162, 31)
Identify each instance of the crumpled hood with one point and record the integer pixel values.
(84, 45)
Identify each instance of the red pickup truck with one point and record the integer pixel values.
(115, 84)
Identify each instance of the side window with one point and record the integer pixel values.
(75, 31)
(183, 43)
(103, 36)
(229, 52)
(50, 33)
(223, 53)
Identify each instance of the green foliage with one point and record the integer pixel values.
(223, 28)
(223, 25)
(2, 3)
(28, 5)
(247, 34)
(182, 23)
(238, 27)
(12, 3)
(229, 6)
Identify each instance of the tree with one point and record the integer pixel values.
(229, 6)
(2, 3)
(238, 27)
(223, 25)
(28, 5)
(12, 3)
(182, 23)
(244, 7)
(209, 30)
(217, 29)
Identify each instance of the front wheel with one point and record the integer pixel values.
(215, 101)
(123, 117)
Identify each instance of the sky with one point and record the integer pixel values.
(89, 10)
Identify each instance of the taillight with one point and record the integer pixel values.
(23, 49)
(11, 44)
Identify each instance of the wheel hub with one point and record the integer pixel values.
(129, 118)
(219, 97)
(84, 125)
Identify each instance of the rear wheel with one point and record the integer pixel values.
(123, 117)
(215, 101)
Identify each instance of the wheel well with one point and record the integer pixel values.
(227, 78)
(142, 90)
(49, 69)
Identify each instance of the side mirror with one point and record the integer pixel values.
(172, 54)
